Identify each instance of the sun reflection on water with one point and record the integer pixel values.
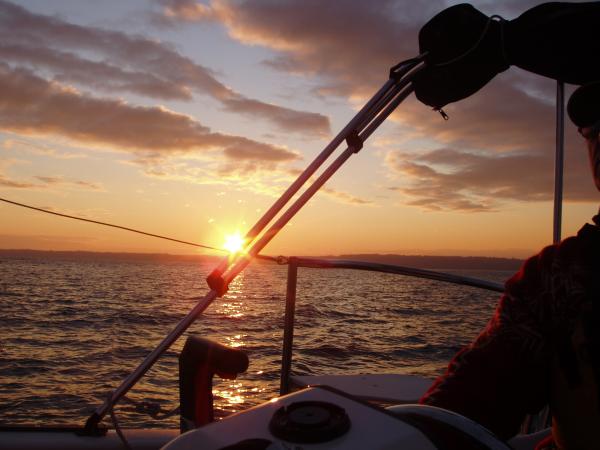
(235, 394)
(236, 341)
(231, 309)
(232, 304)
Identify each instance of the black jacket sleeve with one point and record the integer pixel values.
(466, 49)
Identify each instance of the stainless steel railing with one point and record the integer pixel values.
(290, 299)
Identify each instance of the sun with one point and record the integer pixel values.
(234, 242)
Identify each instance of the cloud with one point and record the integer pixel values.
(68, 67)
(258, 177)
(31, 105)
(334, 194)
(345, 197)
(20, 145)
(127, 63)
(346, 47)
(498, 146)
(44, 181)
(350, 43)
(262, 178)
(35, 31)
(48, 182)
(284, 118)
(450, 179)
(173, 12)
(61, 181)
(515, 111)
(7, 182)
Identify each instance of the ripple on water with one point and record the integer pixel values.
(77, 328)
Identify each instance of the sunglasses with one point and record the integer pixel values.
(590, 132)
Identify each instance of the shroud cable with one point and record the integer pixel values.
(133, 230)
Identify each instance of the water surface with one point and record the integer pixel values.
(73, 329)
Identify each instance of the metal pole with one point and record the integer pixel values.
(312, 168)
(310, 191)
(288, 330)
(361, 119)
(559, 160)
(390, 89)
(543, 417)
(399, 270)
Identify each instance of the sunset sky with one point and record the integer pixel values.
(189, 119)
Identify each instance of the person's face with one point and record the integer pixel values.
(593, 144)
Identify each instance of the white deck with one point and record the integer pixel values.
(371, 427)
(388, 388)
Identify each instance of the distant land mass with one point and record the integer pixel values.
(418, 261)
(438, 262)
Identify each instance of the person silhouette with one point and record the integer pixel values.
(542, 346)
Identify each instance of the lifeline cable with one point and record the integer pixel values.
(123, 228)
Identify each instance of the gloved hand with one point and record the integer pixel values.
(466, 48)
(464, 52)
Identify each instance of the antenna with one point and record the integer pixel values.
(559, 160)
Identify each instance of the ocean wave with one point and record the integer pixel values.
(79, 328)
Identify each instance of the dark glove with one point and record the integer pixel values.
(464, 52)
(466, 48)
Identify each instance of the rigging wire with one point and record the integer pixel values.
(133, 230)
(115, 421)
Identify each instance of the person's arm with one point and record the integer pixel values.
(502, 375)
(464, 49)
(556, 40)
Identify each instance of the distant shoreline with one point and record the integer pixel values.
(419, 261)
